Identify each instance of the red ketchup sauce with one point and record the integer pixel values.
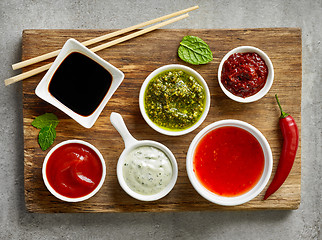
(74, 170)
(244, 74)
(228, 161)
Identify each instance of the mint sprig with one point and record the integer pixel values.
(46, 137)
(194, 50)
(47, 123)
(45, 120)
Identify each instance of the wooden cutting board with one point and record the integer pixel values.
(137, 58)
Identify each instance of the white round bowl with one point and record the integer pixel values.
(62, 197)
(163, 192)
(269, 80)
(130, 144)
(187, 70)
(237, 200)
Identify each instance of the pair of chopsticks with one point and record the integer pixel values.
(96, 40)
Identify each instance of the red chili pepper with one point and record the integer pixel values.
(290, 134)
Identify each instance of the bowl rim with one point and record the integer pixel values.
(269, 80)
(159, 70)
(251, 194)
(42, 89)
(152, 197)
(60, 196)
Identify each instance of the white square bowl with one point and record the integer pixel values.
(69, 47)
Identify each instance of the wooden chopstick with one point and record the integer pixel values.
(95, 49)
(101, 38)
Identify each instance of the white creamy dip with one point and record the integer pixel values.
(147, 170)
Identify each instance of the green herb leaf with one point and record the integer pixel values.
(46, 137)
(45, 120)
(194, 50)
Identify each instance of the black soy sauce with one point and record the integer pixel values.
(80, 83)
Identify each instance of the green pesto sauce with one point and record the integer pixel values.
(174, 100)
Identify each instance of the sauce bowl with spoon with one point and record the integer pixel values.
(146, 170)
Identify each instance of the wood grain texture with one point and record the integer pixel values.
(137, 58)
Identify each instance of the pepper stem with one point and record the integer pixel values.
(283, 114)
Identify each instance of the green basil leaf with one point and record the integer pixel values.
(46, 137)
(194, 50)
(45, 120)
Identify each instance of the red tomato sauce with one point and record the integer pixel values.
(244, 74)
(229, 161)
(74, 170)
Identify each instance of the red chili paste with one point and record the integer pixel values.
(74, 170)
(244, 74)
(228, 161)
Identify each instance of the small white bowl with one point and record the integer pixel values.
(230, 201)
(189, 71)
(69, 47)
(62, 197)
(269, 80)
(130, 144)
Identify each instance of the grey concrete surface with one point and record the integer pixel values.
(17, 223)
